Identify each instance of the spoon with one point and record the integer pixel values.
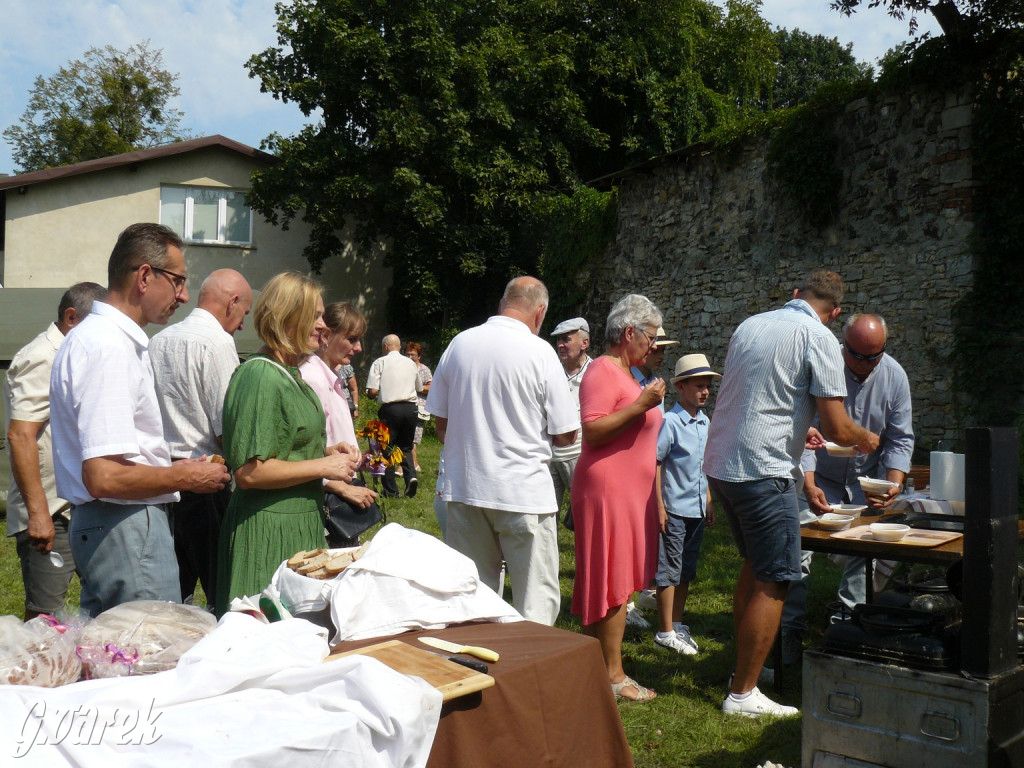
(56, 559)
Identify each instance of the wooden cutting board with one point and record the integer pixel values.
(452, 680)
(915, 538)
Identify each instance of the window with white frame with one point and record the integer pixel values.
(207, 214)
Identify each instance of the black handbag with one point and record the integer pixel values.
(343, 522)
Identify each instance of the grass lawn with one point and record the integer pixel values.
(683, 726)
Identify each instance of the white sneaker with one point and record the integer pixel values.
(756, 704)
(635, 619)
(683, 631)
(675, 643)
(647, 599)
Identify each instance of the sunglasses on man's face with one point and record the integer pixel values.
(865, 358)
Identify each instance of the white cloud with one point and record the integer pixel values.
(206, 43)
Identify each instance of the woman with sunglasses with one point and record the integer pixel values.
(614, 505)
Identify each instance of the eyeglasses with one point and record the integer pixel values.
(865, 358)
(178, 281)
(652, 338)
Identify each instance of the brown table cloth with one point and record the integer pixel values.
(551, 704)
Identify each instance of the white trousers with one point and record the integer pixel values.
(527, 543)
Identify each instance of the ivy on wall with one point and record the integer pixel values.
(989, 345)
(575, 231)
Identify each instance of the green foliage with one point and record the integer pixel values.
(448, 128)
(964, 22)
(989, 345)
(575, 230)
(106, 103)
(807, 62)
(802, 153)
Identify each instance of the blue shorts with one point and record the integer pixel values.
(765, 521)
(678, 549)
(124, 552)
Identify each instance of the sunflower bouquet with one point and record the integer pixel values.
(381, 454)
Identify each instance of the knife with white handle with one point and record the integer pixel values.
(481, 653)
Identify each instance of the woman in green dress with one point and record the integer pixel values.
(275, 443)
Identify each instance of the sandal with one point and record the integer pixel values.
(643, 694)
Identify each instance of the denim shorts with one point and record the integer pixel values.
(765, 521)
(678, 549)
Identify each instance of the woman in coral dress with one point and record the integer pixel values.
(613, 497)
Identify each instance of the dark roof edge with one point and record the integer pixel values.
(137, 156)
(700, 148)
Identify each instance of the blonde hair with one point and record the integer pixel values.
(285, 313)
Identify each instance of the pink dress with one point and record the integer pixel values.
(614, 508)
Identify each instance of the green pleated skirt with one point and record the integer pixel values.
(256, 537)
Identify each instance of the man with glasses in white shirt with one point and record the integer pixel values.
(111, 459)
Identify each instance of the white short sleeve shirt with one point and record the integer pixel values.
(103, 402)
(192, 364)
(503, 392)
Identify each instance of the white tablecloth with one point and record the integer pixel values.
(248, 694)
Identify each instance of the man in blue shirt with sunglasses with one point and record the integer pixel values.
(878, 398)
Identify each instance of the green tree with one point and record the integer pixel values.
(105, 103)
(807, 62)
(446, 125)
(962, 21)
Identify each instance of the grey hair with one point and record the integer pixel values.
(80, 296)
(631, 311)
(857, 316)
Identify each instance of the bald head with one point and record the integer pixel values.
(226, 295)
(525, 299)
(390, 343)
(865, 330)
(864, 339)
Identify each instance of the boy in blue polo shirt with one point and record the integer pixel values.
(684, 500)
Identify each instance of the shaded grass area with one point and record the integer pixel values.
(683, 726)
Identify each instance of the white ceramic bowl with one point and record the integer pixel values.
(889, 531)
(854, 510)
(870, 485)
(840, 451)
(831, 521)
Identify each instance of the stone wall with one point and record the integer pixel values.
(712, 241)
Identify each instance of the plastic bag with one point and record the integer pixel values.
(39, 652)
(141, 638)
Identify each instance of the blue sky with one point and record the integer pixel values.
(207, 44)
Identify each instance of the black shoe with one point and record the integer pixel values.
(411, 486)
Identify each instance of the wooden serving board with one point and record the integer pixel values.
(915, 538)
(452, 680)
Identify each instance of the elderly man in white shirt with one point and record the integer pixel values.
(500, 402)
(192, 364)
(37, 517)
(396, 380)
(112, 462)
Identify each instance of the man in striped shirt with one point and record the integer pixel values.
(782, 367)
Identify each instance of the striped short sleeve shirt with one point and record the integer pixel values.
(777, 363)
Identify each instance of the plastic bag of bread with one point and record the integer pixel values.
(38, 652)
(141, 638)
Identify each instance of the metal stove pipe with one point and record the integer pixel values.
(988, 638)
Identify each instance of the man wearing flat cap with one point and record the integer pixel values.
(572, 340)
